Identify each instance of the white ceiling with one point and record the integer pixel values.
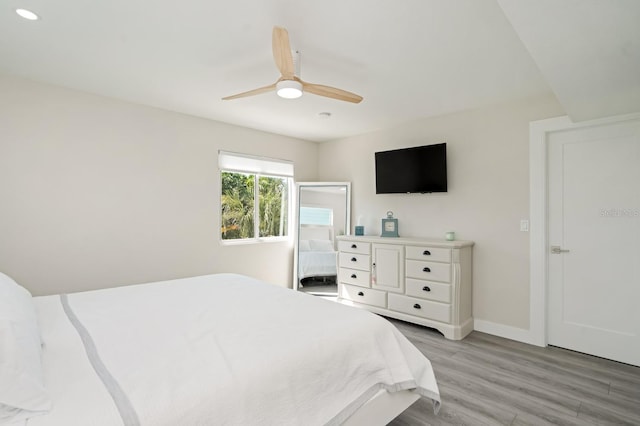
(588, 51)
(407, 58)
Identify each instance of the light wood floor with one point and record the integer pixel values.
(488, 380)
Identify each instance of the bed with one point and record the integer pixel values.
(215, 349)
(317, 256)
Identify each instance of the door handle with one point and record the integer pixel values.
(558, 250)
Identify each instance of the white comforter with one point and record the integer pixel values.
(217, 349)
(317, 264)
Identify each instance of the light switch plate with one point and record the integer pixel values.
(524, 225)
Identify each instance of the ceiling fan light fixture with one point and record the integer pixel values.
(289, 89)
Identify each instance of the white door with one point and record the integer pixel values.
(594, 237)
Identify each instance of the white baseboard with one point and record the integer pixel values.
(514, 333)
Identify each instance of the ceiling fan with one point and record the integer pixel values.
(289, 85)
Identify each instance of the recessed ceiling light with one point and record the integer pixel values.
(27, 14)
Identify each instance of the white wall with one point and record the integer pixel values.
(96, 192)
(488, 193)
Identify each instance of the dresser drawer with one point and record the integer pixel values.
(355, 261)
(354, 247)
(432, 254)
(429, 270)
(355, 277)
(439, 292)
(420, 308)
(364, 295)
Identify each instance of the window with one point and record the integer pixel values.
(254, 200)
(316, 216)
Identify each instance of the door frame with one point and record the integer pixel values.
(538, 214)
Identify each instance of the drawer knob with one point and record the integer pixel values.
(426, 269)
(426, 253)
(354, 246)
(360, 293)
(417, 306)
(354, 276)
(426, 288)
(353, 259)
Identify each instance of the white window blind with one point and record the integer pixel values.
(316, 216)
(232, 161)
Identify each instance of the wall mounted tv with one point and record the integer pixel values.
(418, 169)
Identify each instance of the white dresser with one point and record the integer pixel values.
(417, 280)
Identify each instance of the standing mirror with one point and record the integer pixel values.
(323, 211)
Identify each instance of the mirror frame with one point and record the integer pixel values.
(296, 232)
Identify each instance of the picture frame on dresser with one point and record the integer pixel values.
(423, 281)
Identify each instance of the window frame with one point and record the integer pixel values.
(282, 167)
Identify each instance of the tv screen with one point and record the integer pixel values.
(418, 169)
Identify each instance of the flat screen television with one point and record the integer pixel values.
(418, 169)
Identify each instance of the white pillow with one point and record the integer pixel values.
(321, 245)
(22, 392)
(304, 245)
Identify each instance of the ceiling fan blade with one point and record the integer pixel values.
(282, 52)
(253, 92)
(331, 92)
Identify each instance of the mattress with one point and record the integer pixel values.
(218, 349)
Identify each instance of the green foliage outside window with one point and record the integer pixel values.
(239, 215)
(237, 205)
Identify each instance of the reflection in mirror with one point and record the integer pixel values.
(322, 213)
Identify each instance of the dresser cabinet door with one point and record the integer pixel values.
(387, 267)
